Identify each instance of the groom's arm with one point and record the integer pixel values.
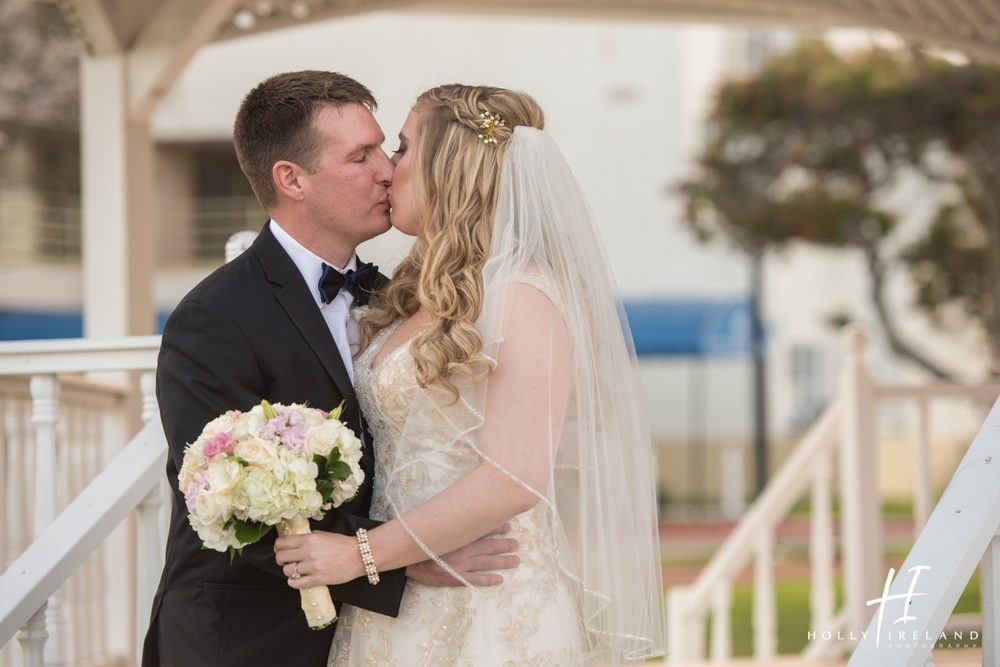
(478, 563)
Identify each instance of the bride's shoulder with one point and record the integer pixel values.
(533, 277)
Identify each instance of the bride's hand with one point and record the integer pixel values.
(319, 558)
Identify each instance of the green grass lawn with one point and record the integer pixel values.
(793, 614)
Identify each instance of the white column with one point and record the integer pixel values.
(118, 257)
(859, 497)
(45, 416)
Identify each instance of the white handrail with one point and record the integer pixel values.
(952, 544)
(54, 555)
(79, 355)
(786, 487)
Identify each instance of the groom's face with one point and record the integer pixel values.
(346, 192)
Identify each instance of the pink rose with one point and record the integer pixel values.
(222, 443)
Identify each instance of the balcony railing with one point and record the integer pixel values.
(38, 227)
(80, 570)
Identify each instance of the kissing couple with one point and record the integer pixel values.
(508, 511)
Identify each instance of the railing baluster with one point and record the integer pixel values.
(821, 547)
(990, 591)
(98, 592)
(722, 630)
(45, 415)
(923, 490)
(32, 637)
(150, 547)
(17, 507)
(69, 486)
(861, 509)
(765, 626)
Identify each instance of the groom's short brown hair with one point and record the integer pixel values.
(275, 123)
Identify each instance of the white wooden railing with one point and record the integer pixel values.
(961, 533)
(845, 436)
(79, 573)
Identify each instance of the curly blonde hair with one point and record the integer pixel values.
(456, 178)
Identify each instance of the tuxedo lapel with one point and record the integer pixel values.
(298, 303)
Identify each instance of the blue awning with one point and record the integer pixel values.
(660, 327)
(43, 325)
(690, 327)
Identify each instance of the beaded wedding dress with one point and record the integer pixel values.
(530, 619)
(588, 587)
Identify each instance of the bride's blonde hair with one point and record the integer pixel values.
(456, 178)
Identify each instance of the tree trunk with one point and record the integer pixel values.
(897, 344)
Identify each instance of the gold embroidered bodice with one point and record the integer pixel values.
(530, 619)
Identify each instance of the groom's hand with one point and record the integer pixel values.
(474, 562)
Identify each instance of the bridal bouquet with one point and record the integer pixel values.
(274, 466)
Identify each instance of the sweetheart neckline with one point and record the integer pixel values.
(377, 361)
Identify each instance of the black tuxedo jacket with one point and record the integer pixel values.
(250, 331)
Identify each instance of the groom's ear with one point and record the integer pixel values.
(287, 179)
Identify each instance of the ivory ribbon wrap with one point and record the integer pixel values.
(316, 601)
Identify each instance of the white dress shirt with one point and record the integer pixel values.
(336, 313)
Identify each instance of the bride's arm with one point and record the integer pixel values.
(525, 407)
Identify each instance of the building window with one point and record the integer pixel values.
(809, 385)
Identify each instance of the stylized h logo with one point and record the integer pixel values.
(908, 596)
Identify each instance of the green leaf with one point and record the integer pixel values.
(337, 411)
(320, 462)
(339, 471)
(325, 488)
(249, 532)
(269, 410)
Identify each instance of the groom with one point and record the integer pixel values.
(273, 324)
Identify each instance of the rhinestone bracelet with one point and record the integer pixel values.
(366, 556)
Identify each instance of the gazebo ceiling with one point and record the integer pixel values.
(970, 26)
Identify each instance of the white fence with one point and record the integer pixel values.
(79, 572)
(841, 445)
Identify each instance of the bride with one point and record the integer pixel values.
(498, 382)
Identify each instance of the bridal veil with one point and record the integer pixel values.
(595, 478)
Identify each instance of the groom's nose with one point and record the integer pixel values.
(383, 173)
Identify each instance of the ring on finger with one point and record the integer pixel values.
(295, 572)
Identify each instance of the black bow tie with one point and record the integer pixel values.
(360, 282)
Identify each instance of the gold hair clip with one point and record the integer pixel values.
(489, 123)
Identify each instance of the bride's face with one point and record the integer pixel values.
(403, 210)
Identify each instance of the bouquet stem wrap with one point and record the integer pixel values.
(316, 601)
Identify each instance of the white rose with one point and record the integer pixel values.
(257, 451)
(213, 508)
(350, 446)
(218, 425)
(321, 439)
(223, 474)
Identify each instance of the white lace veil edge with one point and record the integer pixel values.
(599, 495)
